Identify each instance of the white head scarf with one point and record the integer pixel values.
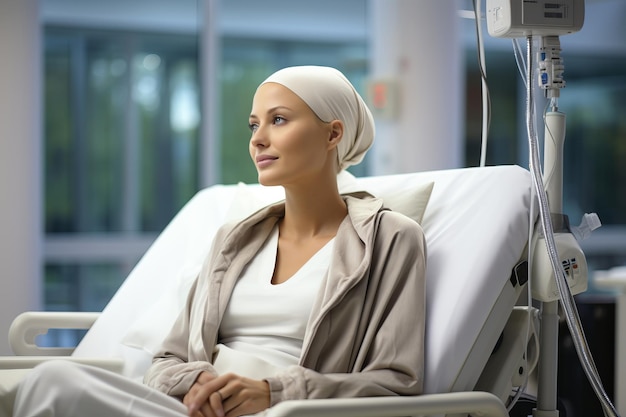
(332, 97)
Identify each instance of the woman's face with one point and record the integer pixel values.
(289, 144)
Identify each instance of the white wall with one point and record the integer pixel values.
(20, 162)
(416, 45)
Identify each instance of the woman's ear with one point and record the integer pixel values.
(336, 133)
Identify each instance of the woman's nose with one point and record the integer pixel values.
(258, 137)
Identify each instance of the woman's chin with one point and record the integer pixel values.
(267, 180)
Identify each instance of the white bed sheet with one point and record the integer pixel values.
(476, 226)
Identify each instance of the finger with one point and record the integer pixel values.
(216, 400)
(205, 377)
(193, 399)
(188, 398)
(250, 398)
(194, 405)
(207, 411)
(194, 413)
(205, 391)
(199, 395)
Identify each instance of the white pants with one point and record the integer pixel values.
(9, 381)
(66, 389)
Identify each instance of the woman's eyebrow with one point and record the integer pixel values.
(272, 110)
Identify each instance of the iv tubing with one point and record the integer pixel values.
(567, 301)
(486, 101)
(519, 60)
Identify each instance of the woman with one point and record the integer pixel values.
(319, 296)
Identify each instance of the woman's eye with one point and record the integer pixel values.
(253, 127)
(279, 120)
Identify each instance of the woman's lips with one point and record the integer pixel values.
(263, 161)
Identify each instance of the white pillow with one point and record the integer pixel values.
(412, 202)
(149, 330)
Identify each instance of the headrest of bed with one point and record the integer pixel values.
(476, 226)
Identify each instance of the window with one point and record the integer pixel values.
(122, 120)
(122, 117)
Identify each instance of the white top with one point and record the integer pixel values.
(266, 320)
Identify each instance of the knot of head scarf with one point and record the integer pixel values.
(332, 97)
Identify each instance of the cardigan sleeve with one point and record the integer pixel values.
(174, 367)
(171, 371)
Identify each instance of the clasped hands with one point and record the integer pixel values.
(227, 395)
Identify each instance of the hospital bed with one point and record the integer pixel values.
(480, 344)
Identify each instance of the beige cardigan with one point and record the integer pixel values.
(365, 336)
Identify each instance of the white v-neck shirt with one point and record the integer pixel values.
(266, 320)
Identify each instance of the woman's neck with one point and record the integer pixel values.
(313, 212)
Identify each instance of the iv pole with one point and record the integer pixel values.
(548, 340)
(550, 76)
